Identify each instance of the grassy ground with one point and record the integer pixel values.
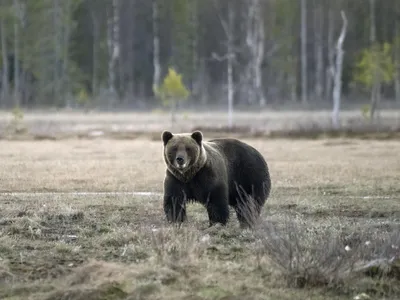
(61, 244)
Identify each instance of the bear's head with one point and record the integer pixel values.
(184, 151)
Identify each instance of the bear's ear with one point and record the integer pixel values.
(198, 137)
(166, 136)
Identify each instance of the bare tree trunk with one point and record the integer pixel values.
(25, 88)
(57, 16)
(17, 97)
(156, 46)
(65, 74)
(319, 58)
(116, 52)
(131, 56)
(337, 90)
(121, 61)
(259, 59)
(4, 53)
(231, 57)
(375, 98)
(292, 81)
(130, 69)
(203, 83)
(375, 76)
(195, 38)
(196, 78)
(200, 90)
(255, 45)
(331, 54)
(95, 53)
(397, 54)
(111, 74)
(248, 76)
(113, 48)
(303, 33)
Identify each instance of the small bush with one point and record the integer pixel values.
(322, 256)
(17, 126)
(172, 91)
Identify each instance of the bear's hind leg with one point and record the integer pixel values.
(248, 201)
(247, 215)
(248, 209)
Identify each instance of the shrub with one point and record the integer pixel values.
(172, 91)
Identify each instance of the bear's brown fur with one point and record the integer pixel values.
(216, 173)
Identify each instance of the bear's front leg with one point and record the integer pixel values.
(175, 208)
(217, 206)
(174, 202)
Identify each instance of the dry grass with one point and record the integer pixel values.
(330, 253)
(62, 124)
(325, 166)
(73, 246)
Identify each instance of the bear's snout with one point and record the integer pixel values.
(180, 160)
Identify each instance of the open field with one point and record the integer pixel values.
(73, 224)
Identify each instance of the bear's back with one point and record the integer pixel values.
(234, 149)
(240, 157)
(245, 165)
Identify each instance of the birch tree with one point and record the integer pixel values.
(255, 46)
(95, 51)
(303, 34)
(199, 84)
(130, 40)
(113, 48)
(228, 27)
(62, 27)
(337, 74)
(331, 54)
(318, 43)
(230, 58)
(4, 54)
(65, 78)
(375, 91)
(397, 52)
(17, 22)
(57, 42)
(156, 46)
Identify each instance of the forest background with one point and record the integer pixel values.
(111, 54)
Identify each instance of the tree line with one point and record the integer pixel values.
(107, 53)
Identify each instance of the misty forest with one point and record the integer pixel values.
(113, 53)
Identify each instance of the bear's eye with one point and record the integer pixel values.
(188, 149)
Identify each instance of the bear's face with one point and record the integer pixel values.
(182, 151)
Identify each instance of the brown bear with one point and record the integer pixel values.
(216, 173)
